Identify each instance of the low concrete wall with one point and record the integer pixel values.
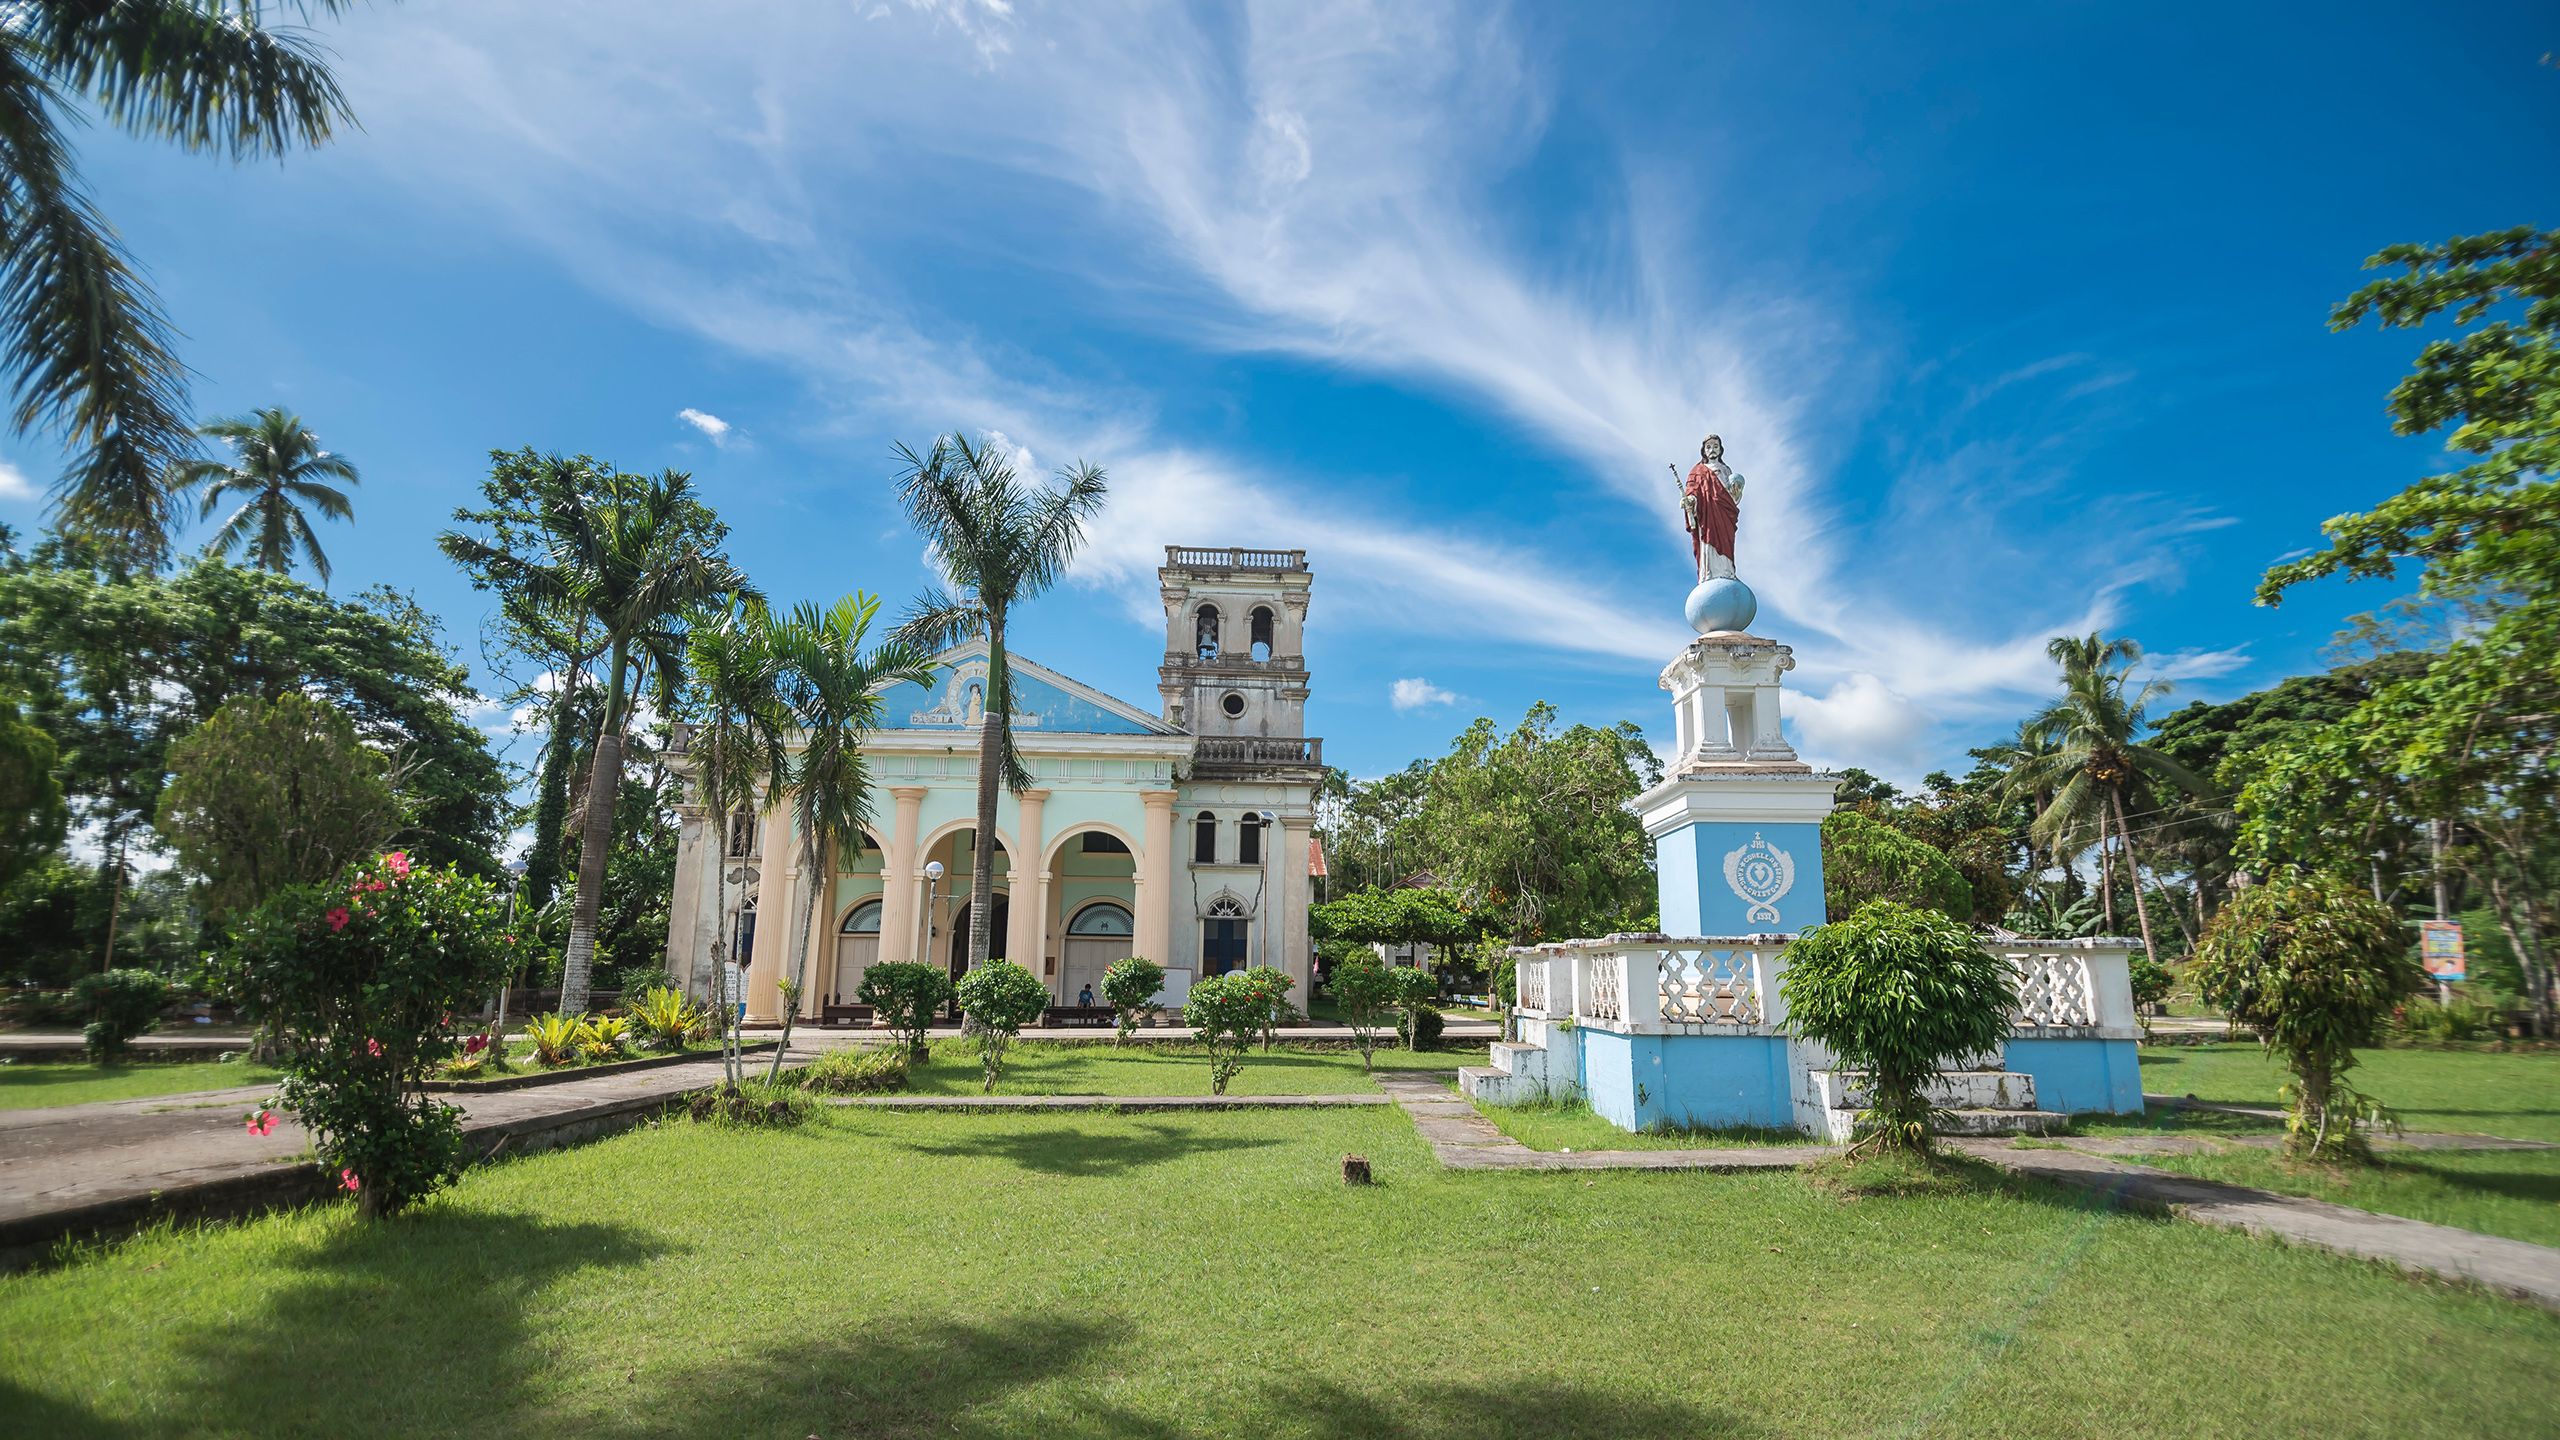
(2076, 1076)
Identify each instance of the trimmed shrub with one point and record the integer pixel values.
(1897, 993)
(2313, 965)
(905, 996)
(120, 1004)
(854, 1072)
(1225, 1012)
(1415, 989)
(1419, 1027)
(361, 978)
(1365, 995)
(1130, 987)
(998, 999)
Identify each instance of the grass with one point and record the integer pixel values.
(1572, 1125)
(28, 1085)
(2515, 1193)
(1033, 1067)
(2515, 1094)
(994, 1275)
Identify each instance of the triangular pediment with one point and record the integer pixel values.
(1044, 701)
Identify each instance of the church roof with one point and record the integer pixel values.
(1044, 701)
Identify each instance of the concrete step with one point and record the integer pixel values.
(1507, 1055)
(1949, 1090)
(1841, 1124)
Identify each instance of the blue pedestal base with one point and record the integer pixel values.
(1705, 1082)
(2076, 1077)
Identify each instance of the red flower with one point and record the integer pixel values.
(475, 1044)
(373, 1048)
(347, 1180)
(397, 862)
(338, 919)
(262, 1122)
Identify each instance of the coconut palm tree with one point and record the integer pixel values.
(2097, 756)
(277, 468)
(998, 541)
(638, 554)
(83, 342)
(832, 690)
(734, 684)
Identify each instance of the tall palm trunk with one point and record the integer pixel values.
(604, 786)
(982, 862)
(731, 1069)
(2133, 869)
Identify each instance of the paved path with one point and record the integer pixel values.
(79, 1169)
(1464, 1140)
(1107, 1102)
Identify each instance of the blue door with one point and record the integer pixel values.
(1222, 945)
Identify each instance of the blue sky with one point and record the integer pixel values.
(2014, 317)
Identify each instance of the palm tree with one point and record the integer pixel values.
(2097, 757)
(83, 342)
(999, 542)
(277, 469)
(638, 554)
(736, 751)
(833, 691)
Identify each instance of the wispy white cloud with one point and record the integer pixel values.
(712, 426)
(1418, 693)
(14, 484)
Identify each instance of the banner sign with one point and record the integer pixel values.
(2440, 948)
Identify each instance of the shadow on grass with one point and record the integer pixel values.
(1319, 1408)
(1085, 1154)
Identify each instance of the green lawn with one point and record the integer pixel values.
(1571, 1125)
(886, 1274)
(2478, 1092)
(2515, 1193)
(29, 1086)
(1034, 1067)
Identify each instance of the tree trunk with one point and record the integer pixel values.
(115, 900)
(982, 861)
(604, 785)
(2107, 877)
(2537, 976)
(2133, 869)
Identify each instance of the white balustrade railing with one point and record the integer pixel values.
(1667, 984)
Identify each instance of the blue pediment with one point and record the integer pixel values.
(1044, 701)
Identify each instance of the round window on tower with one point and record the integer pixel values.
(1233, 705)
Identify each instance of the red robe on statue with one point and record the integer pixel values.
(1717, 512)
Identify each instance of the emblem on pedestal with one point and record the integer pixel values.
(1760, 873)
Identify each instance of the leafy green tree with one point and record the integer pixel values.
(1224, 1013)
(32, 815)
(1372, 831)
(1130, 987)
(736, 752)
(2313, 967)
(270, 793)
(277, 467)
(121, 1004)
(1411, 915)
(1418, 1021)
(83, 341)
(1535, 827)
(998, 542)
(905, 996)
(1897, 993)
(998, 999)
(629, 553)
(1365, 994)
(831, 690)
(1864, 859)
(1273, 985)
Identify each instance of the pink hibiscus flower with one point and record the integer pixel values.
(397, 862)
(373, 1048)
(338, 919)
(262, 1122)
(347, 1180)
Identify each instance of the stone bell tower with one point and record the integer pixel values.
(1235, 624)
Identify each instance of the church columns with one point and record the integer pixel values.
(899, 865)
(1154, 879)
(1295, 834)
(1022, 871)
(685, 907)
(777, 910)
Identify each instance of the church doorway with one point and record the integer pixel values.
(960, 922)
(857, 947)
(1097, 938)
(1224, 933)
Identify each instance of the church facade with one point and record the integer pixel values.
(1181, 834)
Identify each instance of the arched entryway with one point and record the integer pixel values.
(1098, 936)
(960, 922)
(857, 949)
(1225, 937)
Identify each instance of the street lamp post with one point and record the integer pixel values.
(1271, 905)
(932, 883)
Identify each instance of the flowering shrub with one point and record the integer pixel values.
(1225, 1012)
(361, 979)
(1273, 985)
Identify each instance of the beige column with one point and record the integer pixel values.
(1022, 872)
(777, 909)
(684, 904)
(1294, 959)
(1154, 879)
(898, 867)
(1040, 937)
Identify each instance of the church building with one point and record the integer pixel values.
(1181, 835)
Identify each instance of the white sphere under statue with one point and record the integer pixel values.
(1721, 604)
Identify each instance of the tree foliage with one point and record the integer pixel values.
(120, 1004)
(1130, 987)
(1864, 859)
(277, 468)
(32, 815)
(1897, 993)
(1366, 994)
(2313, 967)
(905, 996)
(270, 793)
(1225, 1012)
(998, 999)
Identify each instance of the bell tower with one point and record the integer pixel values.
(1235, 623)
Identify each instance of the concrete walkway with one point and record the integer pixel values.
(1107, 1102)
(1464, 1140)
(110, 1166)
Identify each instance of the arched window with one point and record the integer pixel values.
(1204, 839)
(1249, 840)
(863, 919)
(1102, 842)
(1204, 630)
(1224, 935)
(1103, 917)
(742, 833)
(1263, 624)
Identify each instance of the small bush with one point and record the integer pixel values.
(757, 1105)
(605, 1038)
(905, 996)
(999, 998)
(854, 1072)
(1419, 1027)
(1225, 1012)
(1273, 985)
(1897, 993)
(2426, 1022)
(120, 1004)
(1364, 994)
(1130, 987)
(1415, 990)
(556, 1038)
(663, 1018)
